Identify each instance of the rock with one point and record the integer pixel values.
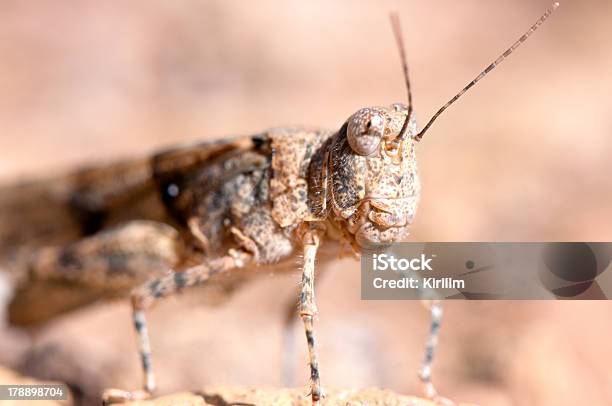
(221, 396)
(183, 399)
(8, 377)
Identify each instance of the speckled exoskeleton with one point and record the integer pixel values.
(200, 213)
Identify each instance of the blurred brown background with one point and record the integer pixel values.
(524, 156)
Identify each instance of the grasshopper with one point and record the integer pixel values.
(217, 211)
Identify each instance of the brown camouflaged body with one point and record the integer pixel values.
(255, 192)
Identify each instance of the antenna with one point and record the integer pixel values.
(397, 32)
(482, 74)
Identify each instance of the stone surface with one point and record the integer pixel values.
(220, 396)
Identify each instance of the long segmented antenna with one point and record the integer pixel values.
(487, 70)
(397, 32)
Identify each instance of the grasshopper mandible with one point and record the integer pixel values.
(207, 210)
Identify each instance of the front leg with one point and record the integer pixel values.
(289, 346)
(308, 310)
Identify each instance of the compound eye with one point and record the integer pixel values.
(364, 132)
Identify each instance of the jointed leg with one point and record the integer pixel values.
(289, 322)
(308, 310)
(145, 296)
(430, 348)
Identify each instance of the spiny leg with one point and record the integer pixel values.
(308, 310)
(435, 308)
(146, 295)
(289, 349)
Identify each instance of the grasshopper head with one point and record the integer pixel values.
(374, 181)
(374, 184)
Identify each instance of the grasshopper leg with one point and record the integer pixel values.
(435, 308)
(289, 349)
(108, 264)
(308, 310)
(146, 295)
